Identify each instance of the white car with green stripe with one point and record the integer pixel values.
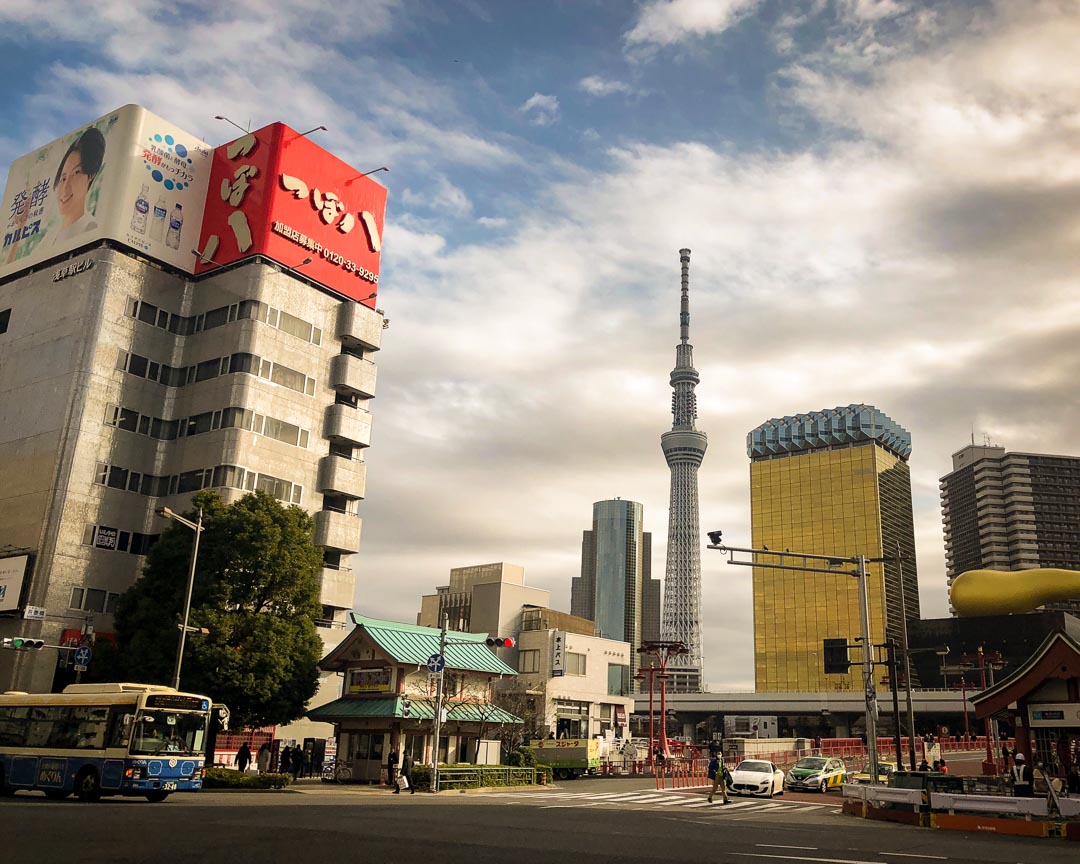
(816, 772)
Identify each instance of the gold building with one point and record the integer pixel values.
(833, 482)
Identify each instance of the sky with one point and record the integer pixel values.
(880, 197)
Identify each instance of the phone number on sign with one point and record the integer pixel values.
(333, 257)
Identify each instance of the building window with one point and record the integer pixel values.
(5, 318)
(575, 663)
(529, 661)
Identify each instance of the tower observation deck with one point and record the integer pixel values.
(684, 448)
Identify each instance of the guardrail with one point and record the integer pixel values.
(1026, 807)
(879, 795)
(484, 776)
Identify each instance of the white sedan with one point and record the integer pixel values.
(757, 777)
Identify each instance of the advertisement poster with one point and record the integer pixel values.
(369, 680)
(274, 192)
(12, 573)
(128, 176)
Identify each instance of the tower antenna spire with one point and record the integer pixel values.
(684, 448)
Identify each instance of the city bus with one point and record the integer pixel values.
(103, 739)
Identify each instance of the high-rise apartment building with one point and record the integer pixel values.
(135, 371)
(1011, 511)
(616, 589)
(684, 448)
(833, 482)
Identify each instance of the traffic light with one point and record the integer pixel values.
(406, 708)
(836, 657)
(499, 642)
(22, 643)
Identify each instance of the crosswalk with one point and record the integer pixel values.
(646, 798)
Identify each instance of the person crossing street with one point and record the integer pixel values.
(718, 773)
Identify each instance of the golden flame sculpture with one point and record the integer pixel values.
(1000, 592)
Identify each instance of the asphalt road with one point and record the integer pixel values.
(590, 821)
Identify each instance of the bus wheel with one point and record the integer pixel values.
(56, 794)
(155, 797)
(87, 786)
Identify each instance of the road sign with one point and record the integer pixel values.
(34, 613)
(79, 668)
(436, 662)
(82, 658)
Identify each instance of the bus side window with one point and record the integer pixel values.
(120, 727)
(92, 721)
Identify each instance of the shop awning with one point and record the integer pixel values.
(358, 708)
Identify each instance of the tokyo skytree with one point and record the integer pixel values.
(684, 448)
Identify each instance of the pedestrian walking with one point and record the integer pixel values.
(406, 772)
(285, 759)
(1023, 778)
(243, 758)
(297, 765)
(1005, 754)
(391, 770)
(262, 758)
(718, 773)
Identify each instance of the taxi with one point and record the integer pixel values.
(816, 772)
(885, 770)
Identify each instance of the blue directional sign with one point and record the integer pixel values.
(83, 655)
(436, 662)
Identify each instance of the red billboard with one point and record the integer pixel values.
(276, 193)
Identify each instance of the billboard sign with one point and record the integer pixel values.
(558, 654)
(12, 574)
(128, 176)
(276, 193)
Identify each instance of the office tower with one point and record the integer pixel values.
(134, 373)
(1011, 511)
(684, 448)
(616, 589)
(832, 482)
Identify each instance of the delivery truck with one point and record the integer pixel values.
(568, 757)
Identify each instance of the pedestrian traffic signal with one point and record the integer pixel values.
(406, 708)
(499, 642)
(836, 657)
(22, 643)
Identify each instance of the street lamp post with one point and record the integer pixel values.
(662, 651)
(197, 527)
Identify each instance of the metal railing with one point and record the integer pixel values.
(485, 776)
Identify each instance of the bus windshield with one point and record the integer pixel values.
(179, 732)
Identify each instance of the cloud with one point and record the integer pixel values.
(443, 197)
(594, 85)
(541, 109)
(661, 23)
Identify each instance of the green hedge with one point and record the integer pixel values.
(228, 778)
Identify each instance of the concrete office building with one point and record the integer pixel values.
(616, 589)
(1011, 511)
(832, 482)
(132, 376)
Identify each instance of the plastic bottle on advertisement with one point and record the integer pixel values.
(176, 225)
(157, 224)
(142, 207)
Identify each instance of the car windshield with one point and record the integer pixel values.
(811, 762)
(755, 767)
(173, 732)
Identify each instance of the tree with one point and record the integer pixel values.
(256, 590)
(527, 701)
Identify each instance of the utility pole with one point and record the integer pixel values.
(810, 564)
(437, 722)
(907, 661)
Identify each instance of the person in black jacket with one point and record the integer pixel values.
(406, 772)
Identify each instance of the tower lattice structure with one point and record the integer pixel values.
(684, 448)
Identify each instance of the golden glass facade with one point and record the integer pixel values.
(847, 500)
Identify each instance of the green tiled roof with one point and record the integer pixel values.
(409, 643)
(376, 707)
